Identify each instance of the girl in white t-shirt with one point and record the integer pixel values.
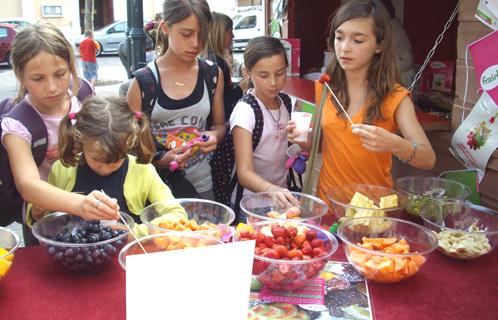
(262, 170)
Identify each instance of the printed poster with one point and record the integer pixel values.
(485, 55)
(487, 13)
(476, 138)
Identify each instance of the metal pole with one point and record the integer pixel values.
(137, 35)
(128, 46)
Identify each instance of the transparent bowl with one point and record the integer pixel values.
(56, 231)
(341, 197)
(292, 267)
(218, 215)
(395, 262)
(424, 191)
(465, 231)
(159, 242)
(9, 242)
(263, 206)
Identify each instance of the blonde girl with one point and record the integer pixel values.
(44, 65)
(96, 144)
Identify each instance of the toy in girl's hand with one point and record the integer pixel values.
(174, 165)
(297, 162)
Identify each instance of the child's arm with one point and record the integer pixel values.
(34, 190)
(377, 139)
(218, 131)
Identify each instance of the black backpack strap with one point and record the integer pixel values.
(26, 114)
(85, 90)
(287, 101)
(209, 71)
(147, 81)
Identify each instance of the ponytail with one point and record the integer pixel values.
(68, 136)
(142, 144)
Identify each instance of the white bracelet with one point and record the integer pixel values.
(412, 155)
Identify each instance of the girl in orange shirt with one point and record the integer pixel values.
(364, 78)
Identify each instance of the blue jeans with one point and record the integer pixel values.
(90, 70)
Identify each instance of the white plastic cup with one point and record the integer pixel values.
(302, 120)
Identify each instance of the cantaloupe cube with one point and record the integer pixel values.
(386, 266)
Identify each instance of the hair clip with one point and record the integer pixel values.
(72, 116)
(138, 115)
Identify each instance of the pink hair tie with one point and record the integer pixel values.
(72, 116)
(138, 115)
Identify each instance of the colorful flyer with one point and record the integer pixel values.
(345, 297)
(483, 53)
(476, 138)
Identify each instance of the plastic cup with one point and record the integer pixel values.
(302, 120)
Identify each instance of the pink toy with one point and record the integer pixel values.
(173, 165)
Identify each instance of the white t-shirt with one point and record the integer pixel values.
(271, 153)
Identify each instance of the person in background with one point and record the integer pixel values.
(152, 26)
(95, 146)
(365, 80)
(402, 46)
(218, 49)
(88, 54)
(44, 63)
(188, 90)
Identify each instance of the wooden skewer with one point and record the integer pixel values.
(337, 100)
(128, 227)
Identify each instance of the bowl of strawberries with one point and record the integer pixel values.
(287, 254)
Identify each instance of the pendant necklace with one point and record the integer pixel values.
(179, 84)
(278, 128)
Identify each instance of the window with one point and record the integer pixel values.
(120, 27)
(3, 32)
(51, 11)
(246, 23)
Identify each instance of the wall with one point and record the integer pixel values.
(11, 9)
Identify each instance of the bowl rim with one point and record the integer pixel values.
(466, 189)
(331, 237)
(46, 240)
(149, 224)
(170, 232)
(467, 204)
(16, 245)
(247, 197)
(429, 233)
(394, 191)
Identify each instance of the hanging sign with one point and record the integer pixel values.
(484, 53)
(476, 138)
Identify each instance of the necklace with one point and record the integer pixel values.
(279, 128)
(273, 118)
(179, 84)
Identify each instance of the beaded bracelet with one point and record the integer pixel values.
(412, 155)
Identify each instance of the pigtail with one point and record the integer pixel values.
(67, 140)
(143, 143)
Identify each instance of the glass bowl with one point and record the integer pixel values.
(423, 191)
(465, 231)
(204, 216)
(9, 242)
(288, 254)
(386, 250)
(347, 202)
(171, 240)
(81, 245)
(263, 206)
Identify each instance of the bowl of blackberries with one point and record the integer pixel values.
(81, 245)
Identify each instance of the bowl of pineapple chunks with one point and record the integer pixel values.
(362, 200)
(9, 242)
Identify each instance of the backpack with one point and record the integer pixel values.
(147, 78)
(223, 160)
(10, 199)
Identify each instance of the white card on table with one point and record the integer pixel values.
(211, 282)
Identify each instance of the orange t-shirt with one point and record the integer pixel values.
(344, 159)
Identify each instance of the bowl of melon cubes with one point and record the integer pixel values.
(266, 206)
(384, 249)
(9, 242)
(363, 200)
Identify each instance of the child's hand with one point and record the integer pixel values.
(282, 197)
(209, 145)
(174, 155)
(98, 206)
(375, 139)
(292, 134)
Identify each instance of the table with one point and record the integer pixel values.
(35, 288)
(305, 90)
